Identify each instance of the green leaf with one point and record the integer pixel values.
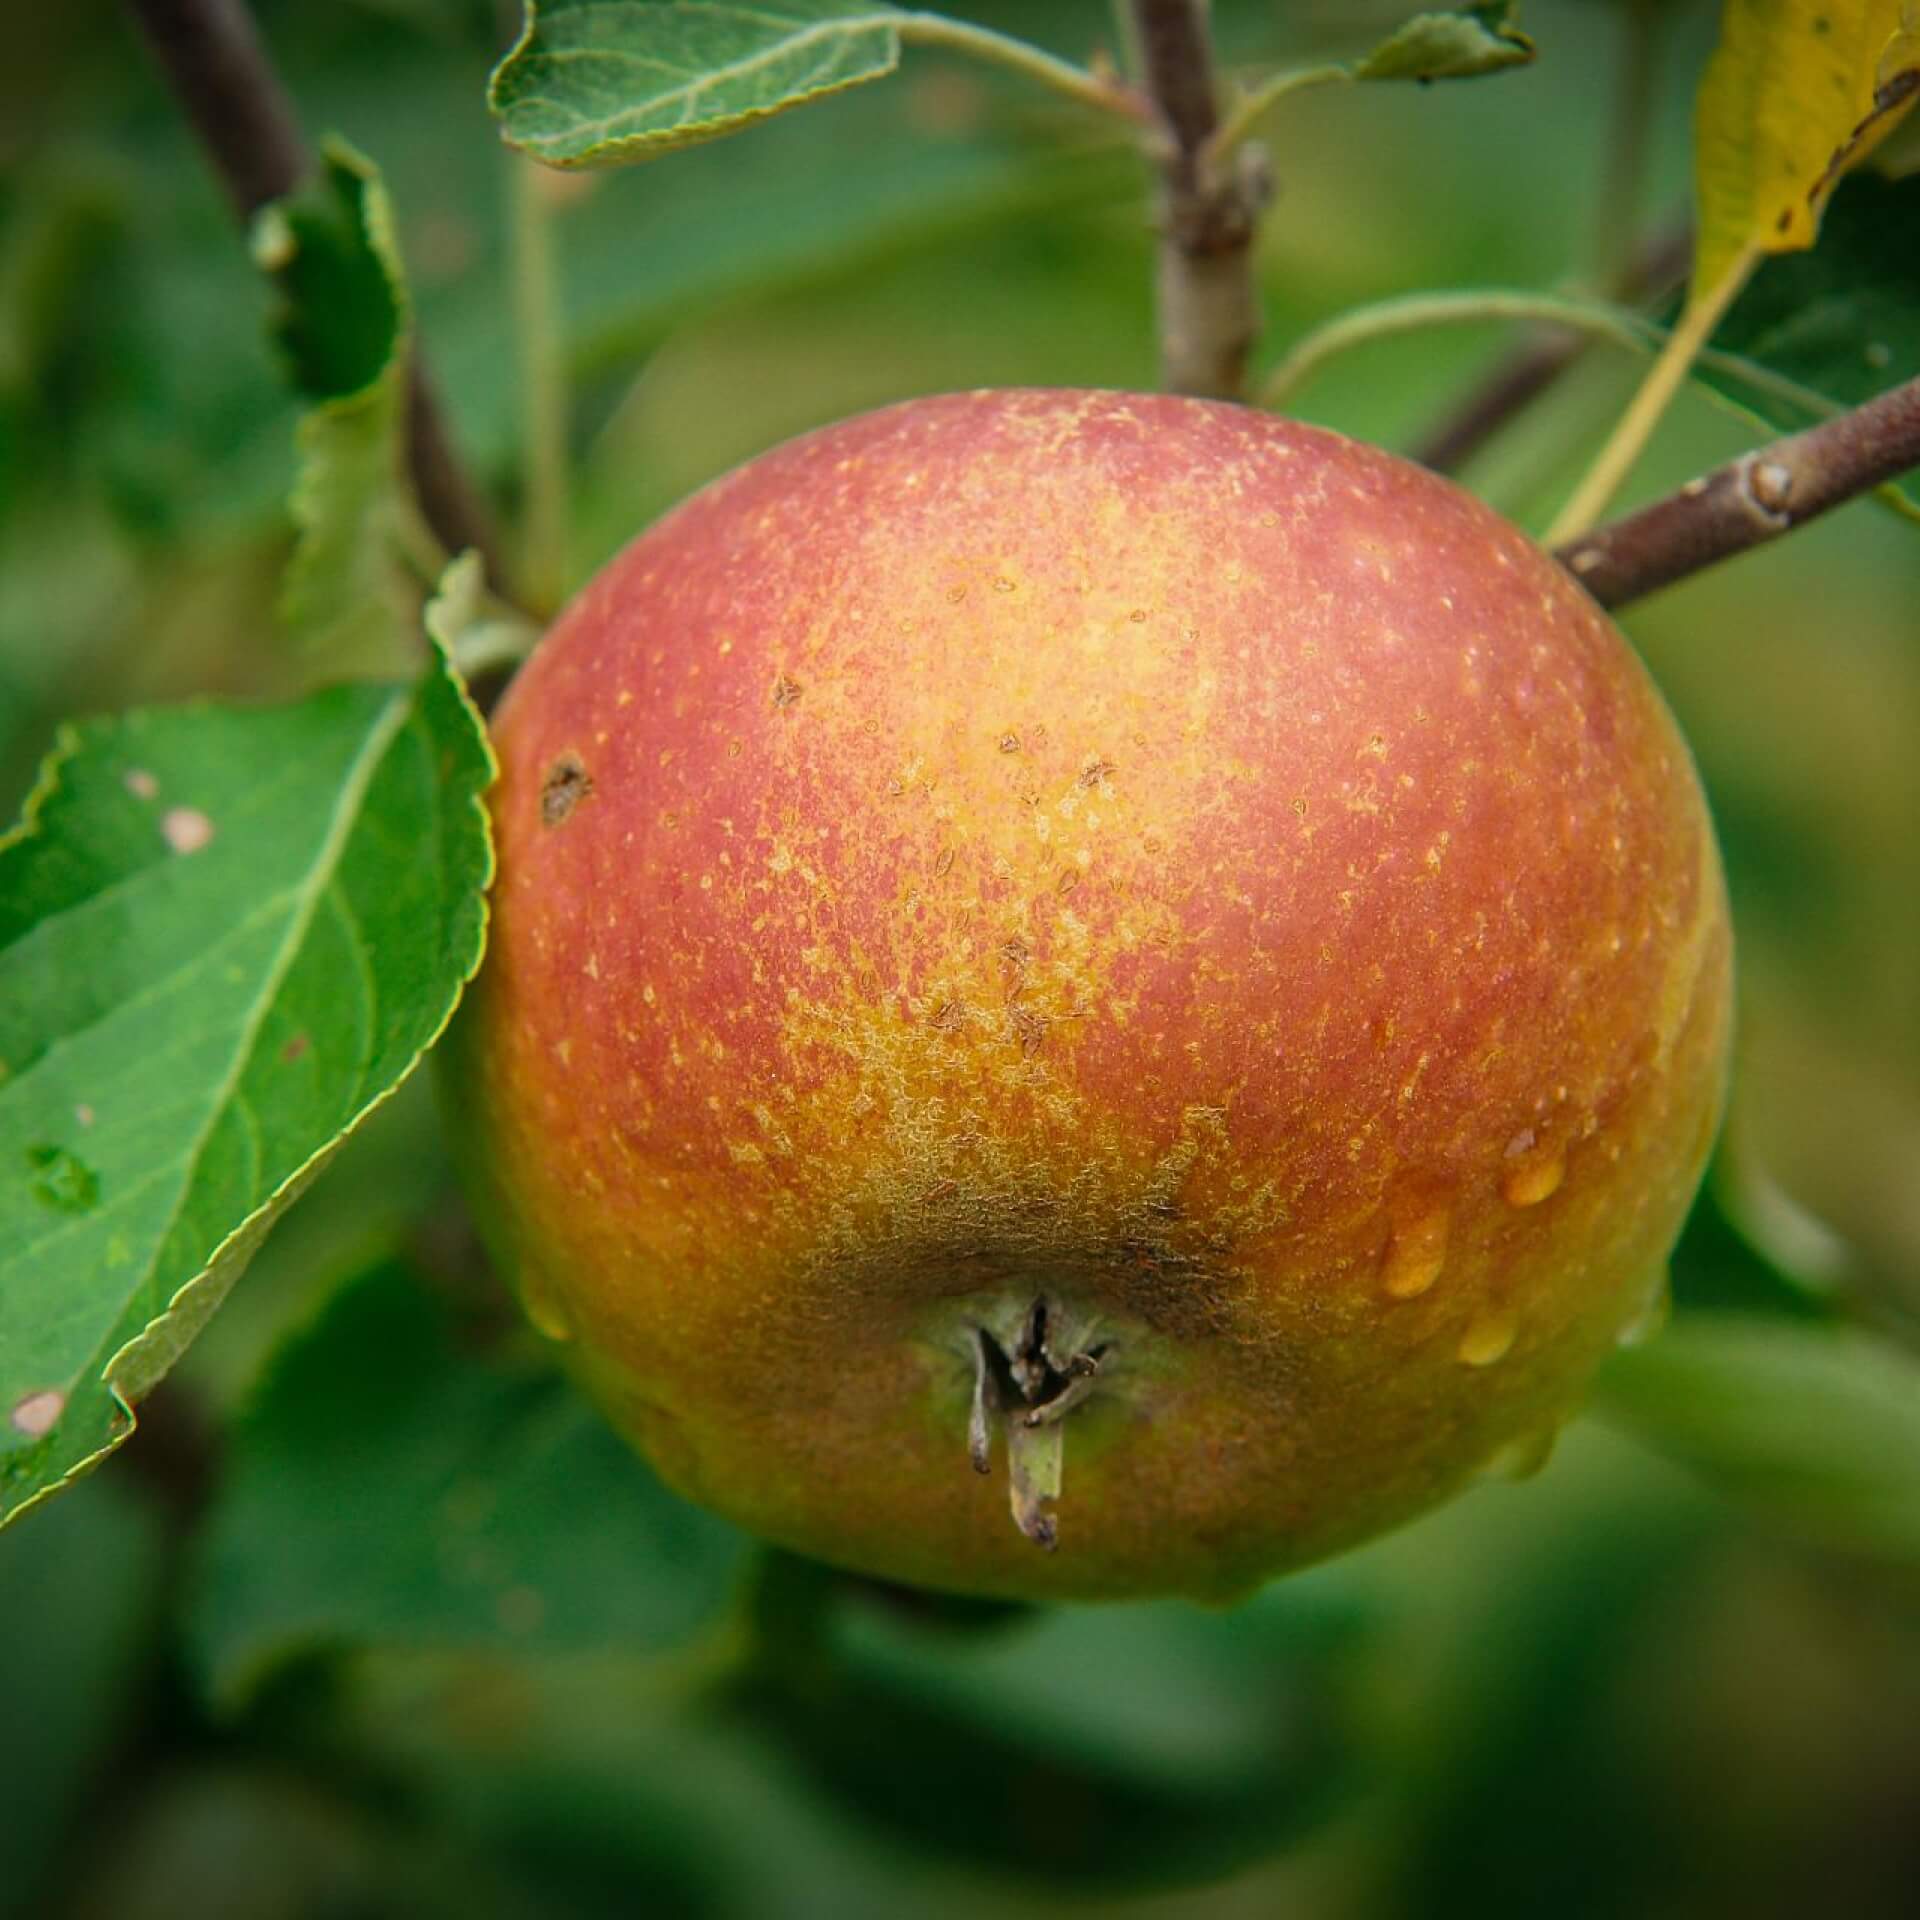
(393, 1487)
(478, 631)
(1184, 1742)
(1842, 319)
(1817, 332)
(226, 934)
(1449, 46)
(344, 328)
(335, 262)
(597, 82)
(1722, 1264)
(1817, 1428)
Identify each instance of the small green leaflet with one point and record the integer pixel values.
(479, 632)
(226, 934)
(393, 1487)
(343, 328)
(1449, 46)
(1817, 1428)
(597, 82)
(1458, 45)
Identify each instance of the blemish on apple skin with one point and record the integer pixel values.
(567, 783)
(35, 1414)
(186, 829)
(1029, 1029)
(1152, 840)
(786, 692)
(1009, 742)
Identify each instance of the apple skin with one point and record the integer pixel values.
(1123, 850)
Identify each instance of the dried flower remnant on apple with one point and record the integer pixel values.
(1210, 1006)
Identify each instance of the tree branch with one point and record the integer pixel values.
(1750, 501)
(1209, 310)
(225, 82)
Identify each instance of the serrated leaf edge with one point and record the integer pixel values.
(626, 149)
(231, 1253)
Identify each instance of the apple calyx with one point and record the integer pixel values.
(1031, 1383)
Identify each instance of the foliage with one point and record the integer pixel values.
(590, 83)
(227, 935)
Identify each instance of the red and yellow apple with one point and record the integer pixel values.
(1125, 943)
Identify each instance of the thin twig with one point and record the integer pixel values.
(1648, 407)
(1209, 309)
(544, 404)
(1455, 306)
(1623, 271)
(1254, 107)
(1750, 501)
(225, 82)
(1001, 49)
(1516, 381)
(222, 78)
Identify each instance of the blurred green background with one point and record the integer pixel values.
(346, 1631)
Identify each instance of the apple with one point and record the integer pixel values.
(1090, 994)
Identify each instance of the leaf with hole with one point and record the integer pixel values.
(226, 934)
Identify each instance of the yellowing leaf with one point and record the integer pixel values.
(1797, 92)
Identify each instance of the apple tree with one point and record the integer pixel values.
(338, 348)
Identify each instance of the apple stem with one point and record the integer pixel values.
(1034, 1387)
(1209, 207)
